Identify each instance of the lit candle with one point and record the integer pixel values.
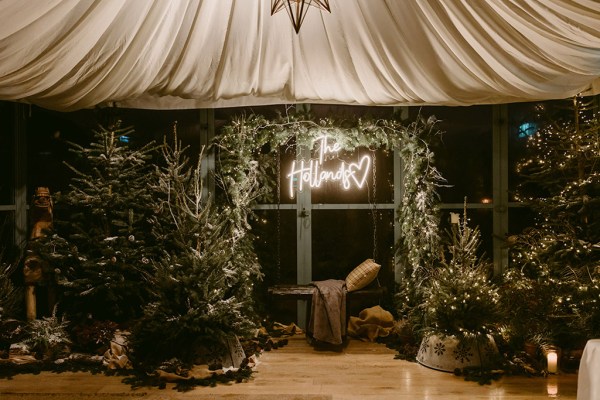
(552, 361)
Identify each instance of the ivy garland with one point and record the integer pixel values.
(247, 149)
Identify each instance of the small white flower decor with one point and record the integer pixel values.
(461, 306)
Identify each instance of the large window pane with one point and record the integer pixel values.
(48, 134)
(7, 159)
(155, 125)
(378, 187)
(342, 239)
(8, 249)
(525, 120)
(275, 244)
(523, 123)
(464, 153)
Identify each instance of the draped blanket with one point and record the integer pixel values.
(328, 312)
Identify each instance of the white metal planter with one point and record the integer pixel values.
(447, 353)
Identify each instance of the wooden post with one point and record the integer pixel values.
(30, 302)
(33, 269)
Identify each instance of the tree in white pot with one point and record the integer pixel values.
(461, 306)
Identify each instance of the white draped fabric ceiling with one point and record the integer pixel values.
(163, 54)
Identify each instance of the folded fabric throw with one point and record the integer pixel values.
(328, 312)
(371, 323)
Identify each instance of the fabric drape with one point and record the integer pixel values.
(161, 54)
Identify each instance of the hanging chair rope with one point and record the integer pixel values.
(373, 202)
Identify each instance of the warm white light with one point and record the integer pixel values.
(312, 173)
(552, 361)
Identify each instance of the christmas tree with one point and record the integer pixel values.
(203, 280)
(559, 257)
(101, 246)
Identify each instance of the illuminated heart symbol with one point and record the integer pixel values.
(362, 166)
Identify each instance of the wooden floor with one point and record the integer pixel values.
(296, 371)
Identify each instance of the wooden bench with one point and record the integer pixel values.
(304, 292)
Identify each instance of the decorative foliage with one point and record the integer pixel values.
(418, 214)
(93, 336)
(48, 336)
(419, 246)
(11, 300)
(249, 143)
(11, 297)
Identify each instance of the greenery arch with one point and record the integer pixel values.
(246, 157)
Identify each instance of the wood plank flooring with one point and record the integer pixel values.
(365, 371)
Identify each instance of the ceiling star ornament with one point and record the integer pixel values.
(297, 9)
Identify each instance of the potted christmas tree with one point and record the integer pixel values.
(460, 306)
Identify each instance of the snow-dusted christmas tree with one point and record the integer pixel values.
(101, 246)
(203, 280)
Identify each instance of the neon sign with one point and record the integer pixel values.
(313, 173)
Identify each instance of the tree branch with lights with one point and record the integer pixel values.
(559, 257)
